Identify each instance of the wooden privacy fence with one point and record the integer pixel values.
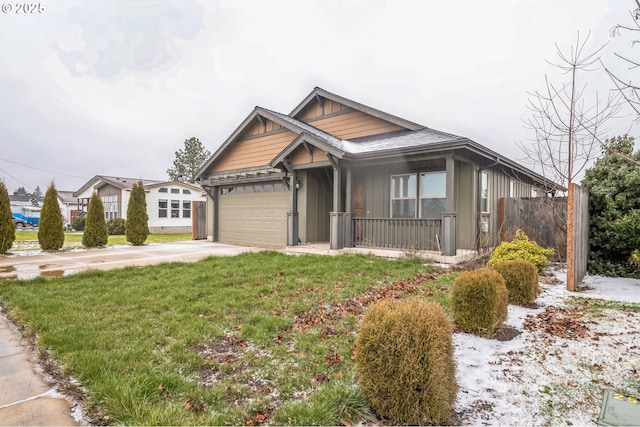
(198, 220)
(577, 235)
(561, 223)
(543, 219)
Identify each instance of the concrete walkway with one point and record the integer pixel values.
(26, 397)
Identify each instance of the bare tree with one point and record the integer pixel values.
(567, 121)
(628, 89)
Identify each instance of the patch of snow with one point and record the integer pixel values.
(541, 379)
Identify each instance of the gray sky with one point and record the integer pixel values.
(114, 87)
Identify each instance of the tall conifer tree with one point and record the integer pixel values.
(7, 228)
(50, 226)
(137, 226)
(95, 233)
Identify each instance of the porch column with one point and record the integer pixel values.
(348, 216)
(214, 197)
(336, 232)
(450, 187)
(449, 217)
(292, 215)
(449, 235)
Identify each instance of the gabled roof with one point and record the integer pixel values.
(194, 187)
(319, 92)
(117, 181)
(66, 197)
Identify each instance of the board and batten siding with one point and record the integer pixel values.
(353, 124)
(253, 152)
(315, 110)
(301, 156)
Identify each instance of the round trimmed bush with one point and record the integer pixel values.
(479, 301)
(116, 226)
(404, 361)
(521, 278)
(522, 248)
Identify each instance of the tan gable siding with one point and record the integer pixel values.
(301, 156)
(353, 125)
(256, 128)
(253, 152)
(315, 110)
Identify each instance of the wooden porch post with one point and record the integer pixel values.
(348, 223)
(449, 218)
(292, 215)
(336, 232)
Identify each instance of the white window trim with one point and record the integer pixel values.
(392, 198)
(488, 193)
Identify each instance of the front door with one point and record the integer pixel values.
(358, 206)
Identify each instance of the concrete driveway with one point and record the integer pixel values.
(53, 264)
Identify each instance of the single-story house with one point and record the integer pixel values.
(169, 203)
(68, 206)
(334, 170)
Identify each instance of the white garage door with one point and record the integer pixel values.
(255, 218)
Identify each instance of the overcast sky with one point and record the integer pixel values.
(113, 87)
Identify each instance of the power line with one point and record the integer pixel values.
(38, 169)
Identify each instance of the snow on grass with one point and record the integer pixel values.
(543, 377)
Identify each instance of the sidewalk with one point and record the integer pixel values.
(26, 399)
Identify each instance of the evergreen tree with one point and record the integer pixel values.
(7, 229)
(95, 233)
(137, 225)
(50, 227)
(188, 161)
(20, 191)
(614, 208)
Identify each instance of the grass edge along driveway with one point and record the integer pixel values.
(252, 339)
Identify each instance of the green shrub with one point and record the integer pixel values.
(79, 223)
(137, 218)
(479, 301)
(522, 248)
(116, 226)
(51, 224)
(404, 361)
(7, 228)
(521, 278)
(95, 233)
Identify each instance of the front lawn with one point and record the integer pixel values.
(252, 339)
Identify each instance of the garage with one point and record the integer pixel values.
(254, 214)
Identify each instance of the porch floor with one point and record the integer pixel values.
(322, 248)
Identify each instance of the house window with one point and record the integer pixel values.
(185, 191)
(186, 209)
(162, 208)
(175, 209)
(268, 188)
(277, 186)
(534, 192)
(433, 194)
(484, 192)
(163, 190)
(110, 206)
(403, 196)
(175, 191)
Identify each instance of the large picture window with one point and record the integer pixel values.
(403, 196)
(433, 194)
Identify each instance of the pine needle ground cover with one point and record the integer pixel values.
(253, 339)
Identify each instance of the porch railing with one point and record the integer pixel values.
(398, 233)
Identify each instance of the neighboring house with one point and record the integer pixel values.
(68, 206)
(168, 202)
(334, 170)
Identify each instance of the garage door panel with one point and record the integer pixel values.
(253, 219)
